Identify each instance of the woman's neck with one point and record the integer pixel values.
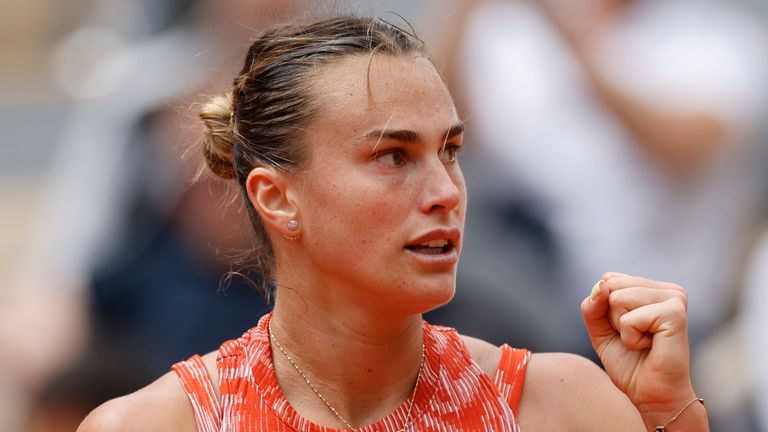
(364, 364)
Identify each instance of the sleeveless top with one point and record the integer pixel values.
(454, 394)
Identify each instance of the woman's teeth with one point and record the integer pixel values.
(435, 243)
(432, 247)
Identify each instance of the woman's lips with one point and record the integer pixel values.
(438, 247)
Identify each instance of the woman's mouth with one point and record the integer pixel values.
(437, 249)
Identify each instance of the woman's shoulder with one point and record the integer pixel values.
(162, 405)
(485, 354)
(164, 399)
(579, 389)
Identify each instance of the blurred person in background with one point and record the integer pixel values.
(629, 132)
(627, 126)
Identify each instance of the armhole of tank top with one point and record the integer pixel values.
(196, 379)
(510, 375)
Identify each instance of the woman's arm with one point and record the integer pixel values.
(638, 328)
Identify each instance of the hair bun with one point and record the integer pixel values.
(217, 141)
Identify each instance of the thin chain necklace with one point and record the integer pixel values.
(328, 404)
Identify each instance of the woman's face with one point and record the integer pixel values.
(383, 200)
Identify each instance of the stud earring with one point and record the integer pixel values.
(292, 225)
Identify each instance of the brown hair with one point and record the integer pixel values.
(260, 122)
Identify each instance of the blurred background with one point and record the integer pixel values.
(604, 135)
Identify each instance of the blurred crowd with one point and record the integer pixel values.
(603, 135)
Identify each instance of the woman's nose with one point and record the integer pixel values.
(444, 191)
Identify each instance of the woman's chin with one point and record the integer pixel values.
(432, 298)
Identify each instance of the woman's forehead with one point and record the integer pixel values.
(382, 86)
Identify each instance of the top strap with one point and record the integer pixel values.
(510, 375)
(197, 384)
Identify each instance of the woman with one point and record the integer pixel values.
(344, 141)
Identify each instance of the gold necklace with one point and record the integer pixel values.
(328, 404)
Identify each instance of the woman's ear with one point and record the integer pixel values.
(268, 191)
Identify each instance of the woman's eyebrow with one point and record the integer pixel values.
(404, 135)
(411, 136)
(454, 130)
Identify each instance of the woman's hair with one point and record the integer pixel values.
(260, 122)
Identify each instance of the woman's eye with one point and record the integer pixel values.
(391, 158)
(449, 154)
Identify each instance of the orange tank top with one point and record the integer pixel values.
(454, 394)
